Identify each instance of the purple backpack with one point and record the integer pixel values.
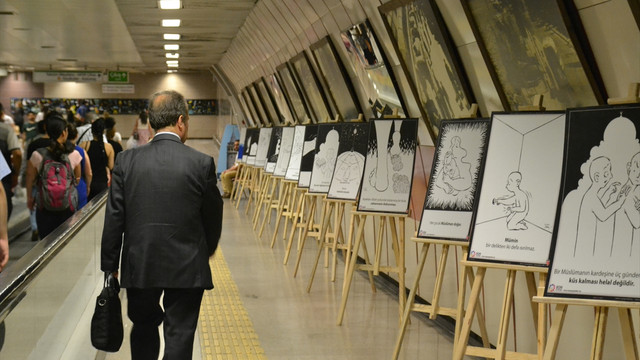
(56, 184)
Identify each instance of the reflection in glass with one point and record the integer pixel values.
(267, 100)
(371, 71)
(280, 99)
(310, 87)
(340, 89)
(293, 94)
(257, 102)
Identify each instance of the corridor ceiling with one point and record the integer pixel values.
(115, 34)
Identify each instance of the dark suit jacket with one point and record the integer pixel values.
(164, 200)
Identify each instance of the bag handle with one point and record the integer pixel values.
(111, 282)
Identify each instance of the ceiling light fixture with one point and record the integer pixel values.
(169, 4)
(171, 47)
(172, 62)
(172, 36)
(170, 22)
(172, 55)
(170, 71)
(172, 65)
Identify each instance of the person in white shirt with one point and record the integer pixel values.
(4, 236)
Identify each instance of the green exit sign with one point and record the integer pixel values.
(119, 76)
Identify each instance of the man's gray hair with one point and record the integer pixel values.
(165, 107)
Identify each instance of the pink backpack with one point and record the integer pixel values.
(56, 184)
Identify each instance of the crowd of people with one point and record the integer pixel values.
(83, 139)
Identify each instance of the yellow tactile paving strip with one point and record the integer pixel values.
(226, 331)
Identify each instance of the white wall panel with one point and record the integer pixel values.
(340, 15)
(319, 7)
(354, 11)
(330, 23)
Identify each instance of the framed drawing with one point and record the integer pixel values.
(280, 99)
(430, 60)
(264, 139)
(269, 102)
(340, 90)
(347, 174)
(327, 144)
(635, 10)
(286, 144)
(518, 198)
(259, 105)
(372, 72)
(388, 166)
(311, 87)
(293, 93)
(251, 113)
(596, 247)
(536, 48)
(308, 155)
(274, 149)
(251, 145)
(293, 169)
(451, 194)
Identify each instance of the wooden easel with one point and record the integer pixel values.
(434, 309)
(601, 309)
(396, 224)
(254, 186)
(273, 202)
(633, 96)
(285, 207)
(461, 346)
(331, 237)
(307, 203)
(240, 184)
(313, 199)
(265, 181)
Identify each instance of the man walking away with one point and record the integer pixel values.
(165, 249)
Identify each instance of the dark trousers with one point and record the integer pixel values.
(48, 221)
(180, 317)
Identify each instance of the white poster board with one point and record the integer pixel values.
(327, 144)
(453, 184)
(519, 190)
(597, 244)
(347, 174)
(241, 148)
(251, 144)
(293, 169)
(286, 145)
(263, 146)
(388, 168)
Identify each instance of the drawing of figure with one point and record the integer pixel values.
(379, 176)
(253, 149)
(598, 203)
(517, 202)
(456, 173)
(628, 217)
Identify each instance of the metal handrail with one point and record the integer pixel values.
(14, 279)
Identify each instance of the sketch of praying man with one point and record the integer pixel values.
(456, 173)
(516, 202)
(628, 217)
(598, 203)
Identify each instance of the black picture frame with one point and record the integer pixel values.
(372, 72)
(281, 99)
(536, 48)
(430, 60)
(268, 101)
(251, 106)
(635, 10)
(293, 93)
(259, 104)
(336, 80)
(312, 90)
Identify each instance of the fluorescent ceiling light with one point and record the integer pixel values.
(171, 71)
(169, 4)
(172, 65)
(171, 47)
(170, 22)
(172, 36)
(172, 55)
(172, 62)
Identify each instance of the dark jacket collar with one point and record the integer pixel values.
(167, 137)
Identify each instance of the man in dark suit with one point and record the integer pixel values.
(164, 199)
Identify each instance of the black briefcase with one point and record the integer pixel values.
(106, 324)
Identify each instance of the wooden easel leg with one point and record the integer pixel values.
(267, 213)
(280, 213)
(339, 237)
(435, 301)
(554, 333)
(542, 316)
(321, 243)
(599, 331)
(507, 301)
(294, 226)
(397, 241)
(365, 253)
(411, 300)
(307, 225)
(629, 338)
(350, 270)
(378, 245)
(461, 346)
